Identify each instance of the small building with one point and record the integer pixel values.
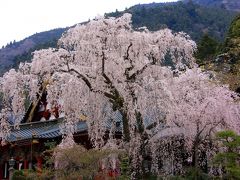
(27, 143)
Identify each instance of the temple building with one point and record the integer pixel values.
(38, 131)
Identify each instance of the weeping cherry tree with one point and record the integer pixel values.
(106, 67)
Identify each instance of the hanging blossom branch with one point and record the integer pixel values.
(117, 100)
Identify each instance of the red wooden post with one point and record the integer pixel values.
(25, 164)
(39, 165)
(17, 162)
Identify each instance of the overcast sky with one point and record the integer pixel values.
(22, 18)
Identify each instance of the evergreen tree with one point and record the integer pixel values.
(207, 49)
(229, 157)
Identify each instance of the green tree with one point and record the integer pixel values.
(207, 49)
(229, 61)
(229, 157)
(232, 45)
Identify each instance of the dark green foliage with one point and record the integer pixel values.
(125, 167)
(232, 47)
(228, 62)
(232, 41)
(233, 5)
(193, 19)
(234, 28)
(18, 175)
(229, 158)
(33, 175)
(229, 139)
(207, 49)
(196, 174)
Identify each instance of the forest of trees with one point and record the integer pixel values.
(222, 57)
(191, 18)
(15, 52)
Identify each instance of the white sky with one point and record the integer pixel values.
(22, 18)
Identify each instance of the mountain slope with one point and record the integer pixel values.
(191, 18)
(11, 53)
(226, 62)
(231, 55)
(233, 5)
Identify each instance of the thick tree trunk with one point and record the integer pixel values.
(195, 148)
(126, 131)
(195, 156)
(140, 126)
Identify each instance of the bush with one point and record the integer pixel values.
(18, 175)
(76, 162)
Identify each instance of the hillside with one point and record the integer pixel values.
(191, 18)
(233, 5)
(223, 58)
(230, 57)
(16, 51)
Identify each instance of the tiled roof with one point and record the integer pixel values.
(46, 129)
(51, 128)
